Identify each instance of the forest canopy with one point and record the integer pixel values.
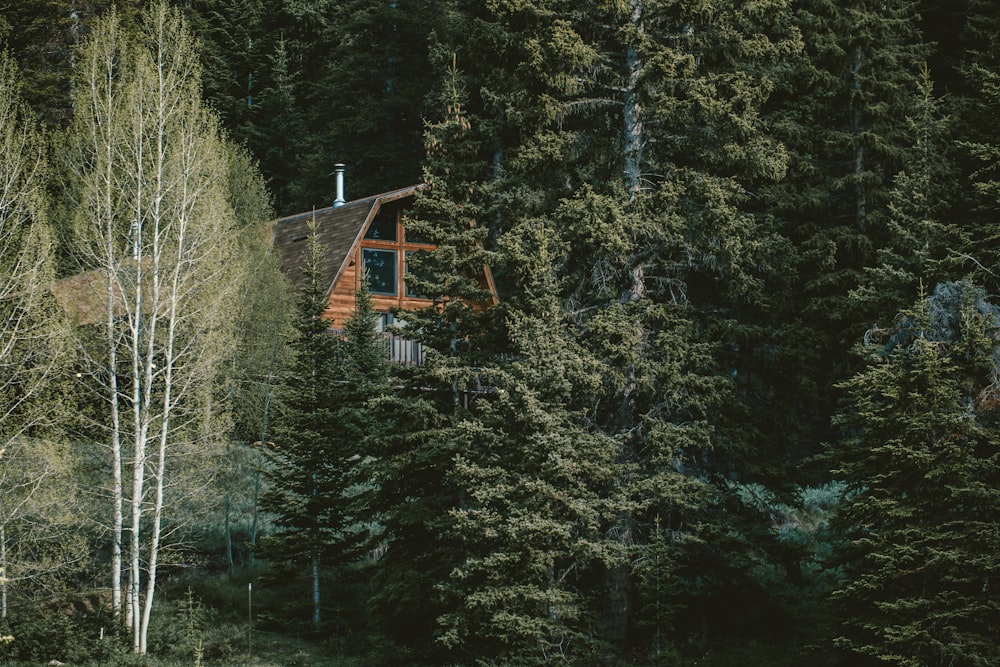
(737, 402)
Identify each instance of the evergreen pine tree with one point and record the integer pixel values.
(920, 241)
(319, 430)
(531, 478)
(235, 44)
(370, 98)
(279, 131)
(980, 139)
(632, 132)
(414, 491)
(448, 213)
(920, 459)
(410, 500)
(840, 110)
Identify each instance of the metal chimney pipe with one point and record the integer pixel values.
(338, 170)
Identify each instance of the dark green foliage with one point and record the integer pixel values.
(410, 504)
(309, 472)
(448, 213)
(839, 109)
(254, 78)
(426, 422)
(530, 519)
(368, 102)
(44, 36)
(320, 433)
(657, 580)
(921, 461)
(630, 134)
(55, 631)
(919, 238)
(693, 210)
(310, 84)
(981, 141)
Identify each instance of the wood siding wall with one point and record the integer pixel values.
(341, 303)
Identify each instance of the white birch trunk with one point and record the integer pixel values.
(99, 124)
(164, 249)
(3, 571)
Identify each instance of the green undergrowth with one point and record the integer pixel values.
(201, 620)
(204, 619)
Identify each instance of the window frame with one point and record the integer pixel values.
(400, 247)
(393, 264)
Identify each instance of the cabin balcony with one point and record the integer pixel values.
(402, 350)
(398, 349)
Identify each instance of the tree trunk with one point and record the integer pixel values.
(632, 113)
(3, 571)
(154, 217)
(135, 580)
(860, 202)
(316, 595)
(129, 601)
(154, 548)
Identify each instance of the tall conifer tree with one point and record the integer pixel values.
(921, 242)
(532, 478)
(632, 131)
(921, 458)
(319, 431)
(840, 109)
(981, 141)
(414, 490)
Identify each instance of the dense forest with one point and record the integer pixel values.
(739, 403)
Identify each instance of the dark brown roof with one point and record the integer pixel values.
(339, 228)
(82, 296)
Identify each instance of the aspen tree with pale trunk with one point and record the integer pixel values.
(154, 221)
(30, 338)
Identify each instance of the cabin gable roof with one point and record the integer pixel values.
(339, 228)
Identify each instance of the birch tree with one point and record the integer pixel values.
(26, 337)
(154, 227)
(29, 339)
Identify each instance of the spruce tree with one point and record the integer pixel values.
(921, 462)
(632, 133)
(414, 491)
(411, 497)
(840, 109)
(980, 139)
(319, 431)
(370, 99)
(531, 478)
(920, 242)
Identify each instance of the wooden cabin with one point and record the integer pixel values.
(361, 236)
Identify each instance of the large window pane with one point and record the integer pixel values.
(380, 266)
(383, 227)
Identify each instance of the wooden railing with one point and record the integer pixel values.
(399, 349)
(403, 350)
